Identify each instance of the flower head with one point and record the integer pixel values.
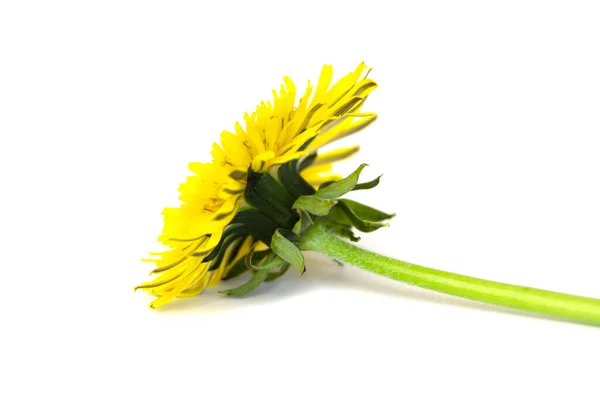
(227, 205)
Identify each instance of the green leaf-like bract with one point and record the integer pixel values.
(359, 223)
(272, 261)
(277, 274)
(289, 176)
(314, 205)
(270, 198)
(343, 230)
(287, 250)
(303, 223)
(368, 185)
(367, 213)
(257, 278)
(341, 187)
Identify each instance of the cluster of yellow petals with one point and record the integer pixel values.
(274, 134)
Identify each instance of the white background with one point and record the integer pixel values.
(488, 138)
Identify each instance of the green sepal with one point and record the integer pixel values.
(306, 162)
(341, 187)
(325, 184)
(289, 176)
(314, 205)
(343, 230)
(358, 186)
(337, 215)
(303, 223)
(360, 224)
(367, 213)
(240, 266)
(270, 198)
(287, 251)
(259, 225)
(277, 274)
(257, 278)
(368, 185)
(218, 254)
(271, 261)
(248, 222)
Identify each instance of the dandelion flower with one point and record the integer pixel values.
(275, 134)
(269, 194)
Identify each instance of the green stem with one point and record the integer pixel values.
(577, 308)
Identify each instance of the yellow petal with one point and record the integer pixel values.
(344, 86)
(349, 127)
(287, 157)
(322, 85)
(260, 161)
(180, 287)
(236, 152)
(317, 174)
(196, 287)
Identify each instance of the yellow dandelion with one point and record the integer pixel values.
(221, 219)
(267, 196)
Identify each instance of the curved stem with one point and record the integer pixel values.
(577, 308)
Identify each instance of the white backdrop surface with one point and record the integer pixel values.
(487, 135)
